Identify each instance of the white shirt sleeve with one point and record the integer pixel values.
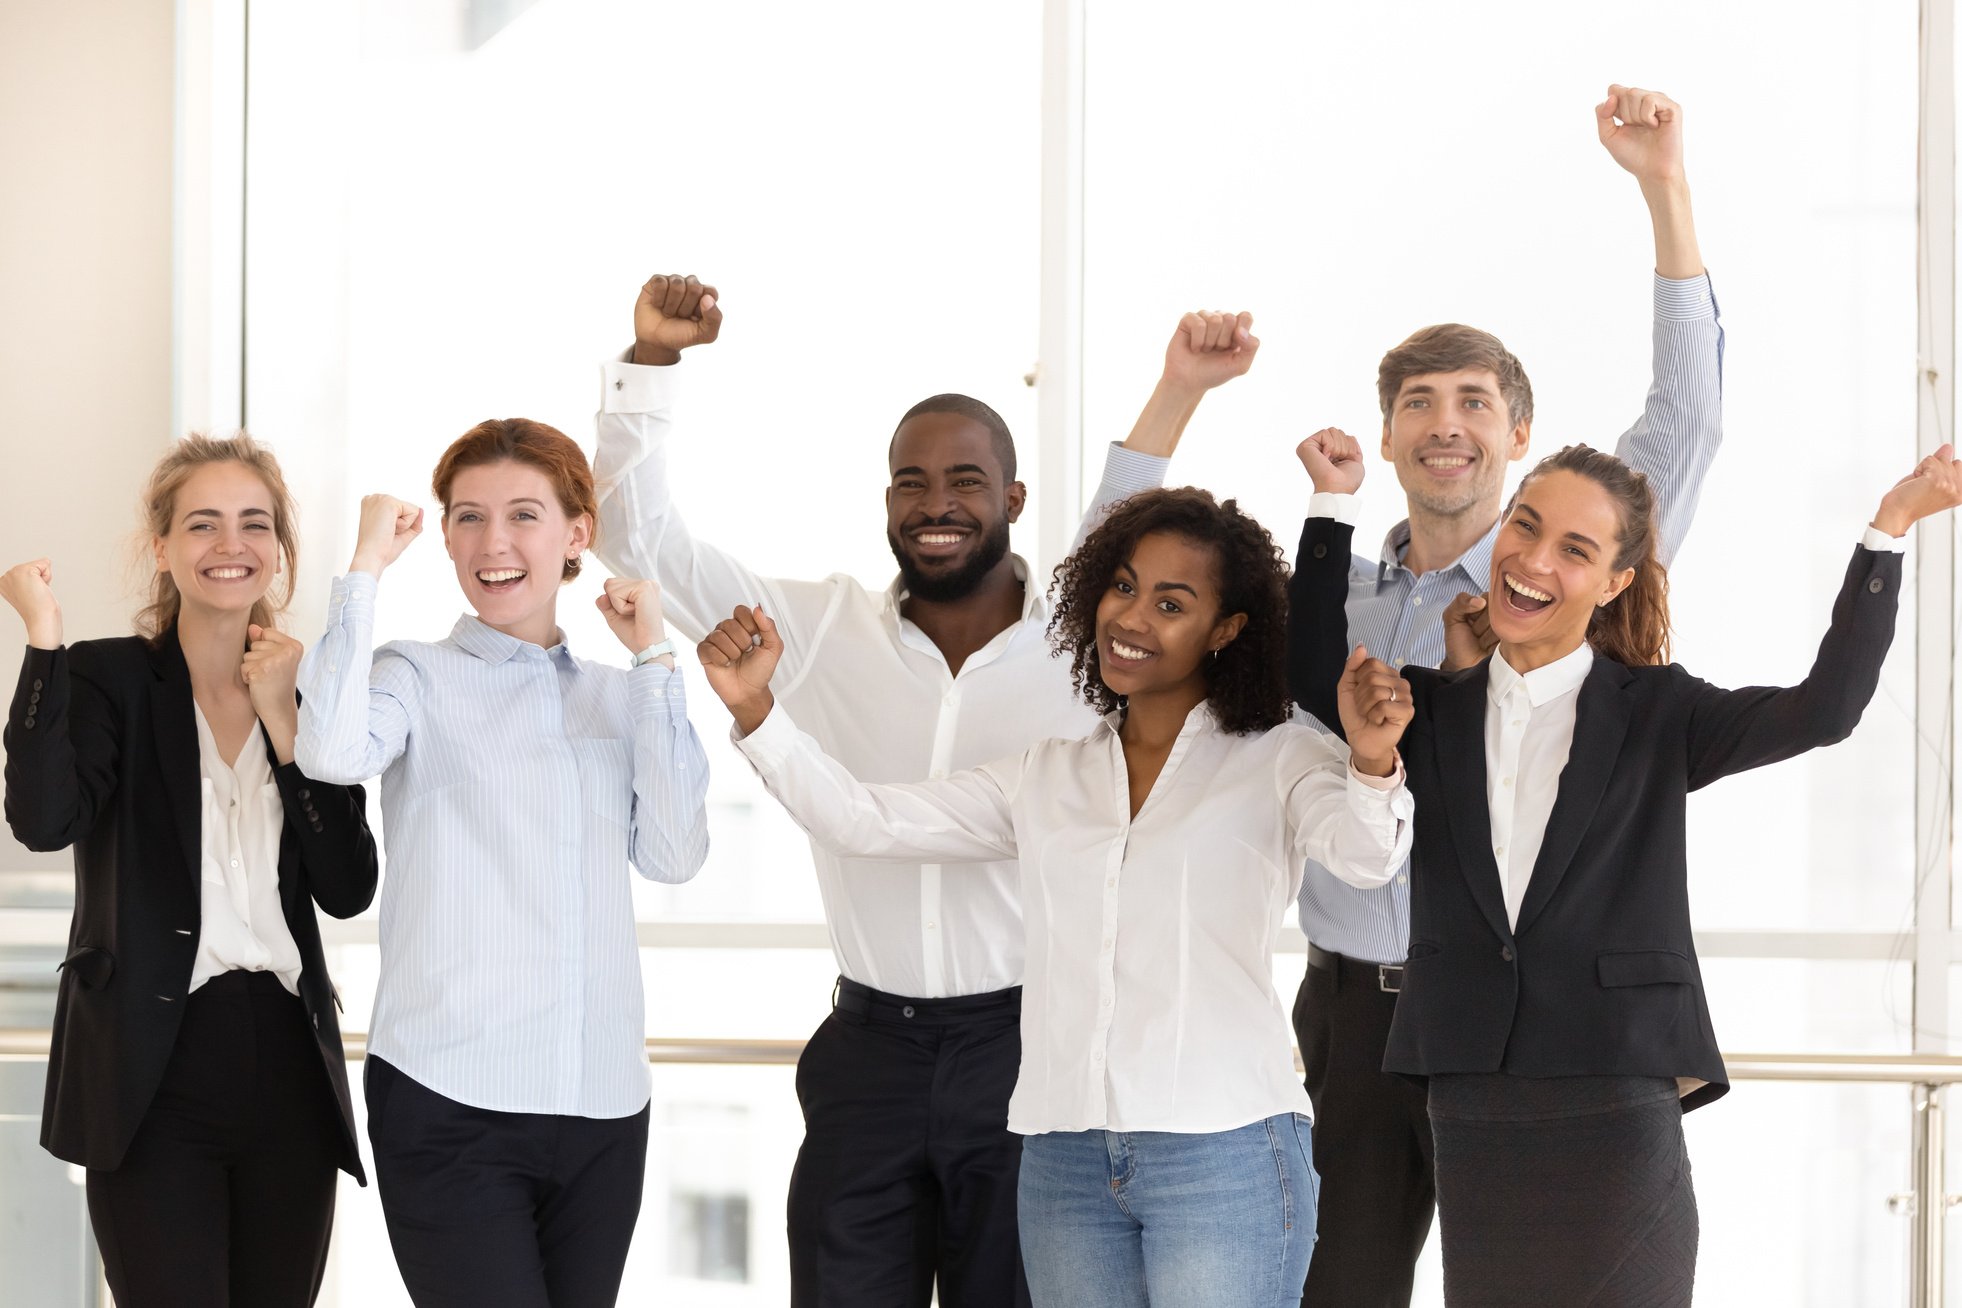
(1357, 827)
(964, 818)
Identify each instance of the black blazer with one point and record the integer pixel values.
(1600, 977)
(102, 754)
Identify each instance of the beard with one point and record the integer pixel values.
(956, 583)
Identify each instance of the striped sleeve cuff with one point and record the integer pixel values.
(352, 595)
(1687, 300)
(1126, 472)
(657, 692)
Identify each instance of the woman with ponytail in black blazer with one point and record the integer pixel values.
(196, 1068)
(1552, 998)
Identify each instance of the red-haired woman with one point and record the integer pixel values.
(507, 1076)
(196, 1067)
(1552, 996)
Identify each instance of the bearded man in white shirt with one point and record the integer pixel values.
(907, 1174)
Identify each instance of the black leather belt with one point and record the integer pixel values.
(1387, 977)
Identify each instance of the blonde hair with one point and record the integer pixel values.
(159, 504)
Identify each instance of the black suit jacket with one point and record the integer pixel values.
(1600, 975)
(102, 754)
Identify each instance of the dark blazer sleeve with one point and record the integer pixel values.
(1734, 730)
(337, 851)
(62, 749)
(1318, 618)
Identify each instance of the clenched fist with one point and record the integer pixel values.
(1933, 487)
(738, 659)
(29, 587)
(1468, 636)
(1334, 460)
(1210, 348)
(1643, 132)
(632, 608)
(672, 314)
(270, 668)
(1375, 706)
(388, 526)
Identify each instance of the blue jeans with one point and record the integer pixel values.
(1224, 1220)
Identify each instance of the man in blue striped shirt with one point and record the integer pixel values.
(1457, 410)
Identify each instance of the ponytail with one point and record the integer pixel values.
(1633, 627)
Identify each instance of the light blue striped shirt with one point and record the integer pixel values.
(1399, 615)
(517, 783)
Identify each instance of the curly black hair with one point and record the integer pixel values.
(1247, 683)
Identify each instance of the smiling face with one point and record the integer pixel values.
(510, 538)
(1553, 564)
(221, 549)
(1159, 620)
(1450, 436)
(949, 505)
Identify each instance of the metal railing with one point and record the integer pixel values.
(1926, 1204)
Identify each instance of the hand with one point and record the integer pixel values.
(1648, 141)
(1334, 460)
(673, 313)
(633, 609)
(1935, 485)
(388, 526)
(1468, 634)
(738, 659)
(1375, 706)
(1208, 349)
(29, 587)
(270, 670)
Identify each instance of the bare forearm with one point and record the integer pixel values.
(1163, 419)
(1676, 253)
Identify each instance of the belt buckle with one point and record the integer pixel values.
(1386, 974)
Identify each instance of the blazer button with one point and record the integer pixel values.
(1320, 551)
(908, 1010)
(1505, 952)
(35, 698)
(316, 826)
(304, 793)
(29, 723)
(1875, 586)
(37, 683)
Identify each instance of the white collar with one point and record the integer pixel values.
(1563, 676)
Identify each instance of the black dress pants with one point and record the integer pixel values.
(907, 1173)
(226, 1196)
(1372, 1139)
(503, 1210)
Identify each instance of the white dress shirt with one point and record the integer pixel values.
(1150, 1002)
(517, 784)
(241, 924)
(872, 687)
(1529, 732)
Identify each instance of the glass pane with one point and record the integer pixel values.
(1312, 164)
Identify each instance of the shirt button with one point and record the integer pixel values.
(1500, 850)
(1106, 1001)
(1398, 662)
(1111, 882)
(1506, 782)
(1518, 722)
(1402, 879)
(930, 926)
(1416, 600)
(938, 773)
(234, 862)
(1107, 946)
(1097, 1056)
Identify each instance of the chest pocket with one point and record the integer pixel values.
(606, 778)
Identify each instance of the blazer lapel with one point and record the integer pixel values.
(1600, 723)
(1459, 711)
(176, 734)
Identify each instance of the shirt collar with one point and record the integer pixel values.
(1033, 607)
(1201, 718)
(473, 636)
(1563, 676)
(1475, 563)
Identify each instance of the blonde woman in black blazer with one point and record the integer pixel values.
(1552, 998)
(196, 1068)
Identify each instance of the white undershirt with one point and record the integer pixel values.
(242, 926)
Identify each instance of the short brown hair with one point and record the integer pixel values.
(1454, 347)
(159, 505)
(521, 440)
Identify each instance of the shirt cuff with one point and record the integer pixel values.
(1333, 504)
(1687, 300)
(1126, 472)
(351, 590)
(1380, 785)
(771, 743)
(636, 387)
(1881, 543)
(658, 690)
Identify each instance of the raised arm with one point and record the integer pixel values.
(1208, 349)
(61, 737)
(964, 818)
(1733, 730)
(1318, 592)
(356, 710)
(1675, 440)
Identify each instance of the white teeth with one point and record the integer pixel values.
(501, 574)
(1450, 461)
(1528, 591)
(227, 574)
(1124, 651)
(939, 539)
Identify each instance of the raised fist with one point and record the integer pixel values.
(1208, 348)
(388, 526)
(1375, 706)
(270, 669)
(29, 587)
(1468, 634)
(1933, 487)
(673, 313)
(1643, 132)
(1334, 460)
(632, 608)
(738, 659)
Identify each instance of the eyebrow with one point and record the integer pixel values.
(958, 467)
(1163, 585)
(1531, 512)
(472, 504)
(214, 513)
(1464, 388)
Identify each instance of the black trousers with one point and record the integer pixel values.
(503, 1210)
(907, 1172)
(1564, 1190)
(1372, 1139)
(226, 1196)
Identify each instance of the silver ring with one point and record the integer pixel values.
(1393, 694)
